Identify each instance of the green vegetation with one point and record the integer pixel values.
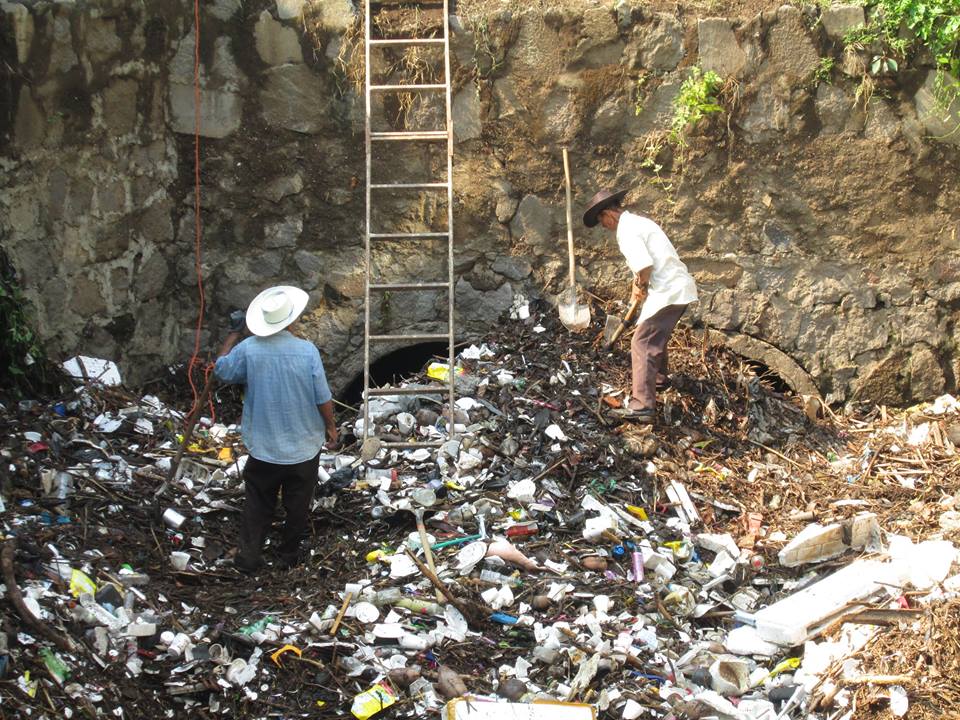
(639, 93)
(935, 23)
(824, 71)
(932, 24)
(698, 98)
(23, 365)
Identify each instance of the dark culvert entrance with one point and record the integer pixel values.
(395, 367)
(767, 375)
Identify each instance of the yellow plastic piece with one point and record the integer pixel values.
(285, 649)
(81, 583)
(370, 702)
(225, 454)
(788, 664)
(29, 686)
(441, 371)
(637, 511)
(374, 555)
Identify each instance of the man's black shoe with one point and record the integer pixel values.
(247, 567)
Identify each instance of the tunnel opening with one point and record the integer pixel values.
(395, 367)
(768, 376)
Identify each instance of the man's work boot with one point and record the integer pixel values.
(246, 565)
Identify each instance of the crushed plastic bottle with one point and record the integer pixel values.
(55, 666)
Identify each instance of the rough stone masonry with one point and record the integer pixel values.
(821, 224)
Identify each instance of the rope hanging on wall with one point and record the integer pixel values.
(195, 357)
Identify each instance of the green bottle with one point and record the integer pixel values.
(55, 666)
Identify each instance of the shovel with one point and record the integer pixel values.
(574, 317)
(616, 325)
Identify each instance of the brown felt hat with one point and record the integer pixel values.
(600, 202)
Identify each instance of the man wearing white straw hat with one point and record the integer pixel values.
(287, 415)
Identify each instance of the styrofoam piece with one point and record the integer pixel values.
(817, 543)
(482, 709)
(105, 372)
(757, 710)
(925, 564)
(718, 543)
(745, 640)
(730, 675)
(803, 614)
(722, 565)
(686, 510)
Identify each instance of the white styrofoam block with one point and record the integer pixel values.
(795, 618)
(478, 709)
(745, 640)
(817, 543)
(718, 543)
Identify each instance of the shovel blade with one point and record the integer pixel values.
(575, 317)
(613, 323)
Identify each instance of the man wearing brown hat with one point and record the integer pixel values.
(662, 284)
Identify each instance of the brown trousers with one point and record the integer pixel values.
(648, 353)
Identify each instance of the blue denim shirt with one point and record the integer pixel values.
(285, 383)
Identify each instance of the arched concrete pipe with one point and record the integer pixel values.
(787, 368)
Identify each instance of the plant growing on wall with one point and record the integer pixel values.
(23, 365)
(698, 98)
(933, 24)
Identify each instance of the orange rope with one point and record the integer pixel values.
(195, 357)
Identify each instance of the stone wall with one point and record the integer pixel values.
(822, 223)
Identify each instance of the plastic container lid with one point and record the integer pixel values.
(366, 612)
(470, 555)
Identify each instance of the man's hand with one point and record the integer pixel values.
(333, 436)
(641, 281)
(238, 321)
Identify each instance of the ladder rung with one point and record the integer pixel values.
(408, 186)
(385, 236)
(410, 286)
(372, 392)
(435, 337)
(387, 88)
(423, 135)
(432, 444)
(408, 41)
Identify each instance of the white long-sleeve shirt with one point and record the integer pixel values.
(644, 244)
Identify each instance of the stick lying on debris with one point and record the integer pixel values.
(468, 612)
(16, 599)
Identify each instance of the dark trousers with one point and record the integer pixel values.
(648, 355)
(262, 481)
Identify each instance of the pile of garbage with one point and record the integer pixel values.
(742, 560)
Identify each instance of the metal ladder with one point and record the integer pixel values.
(383, 186)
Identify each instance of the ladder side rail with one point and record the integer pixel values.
(367, 262)
(450, 267)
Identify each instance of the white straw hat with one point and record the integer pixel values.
(275, 308)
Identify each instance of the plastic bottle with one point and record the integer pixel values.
(492, 576)
(375, 475)
(522, 530)
(421, 607)
(134, 663)
(258, 626)
(389, 596)
(57, 668)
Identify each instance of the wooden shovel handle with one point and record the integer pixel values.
(566, 177)
(627, 319)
